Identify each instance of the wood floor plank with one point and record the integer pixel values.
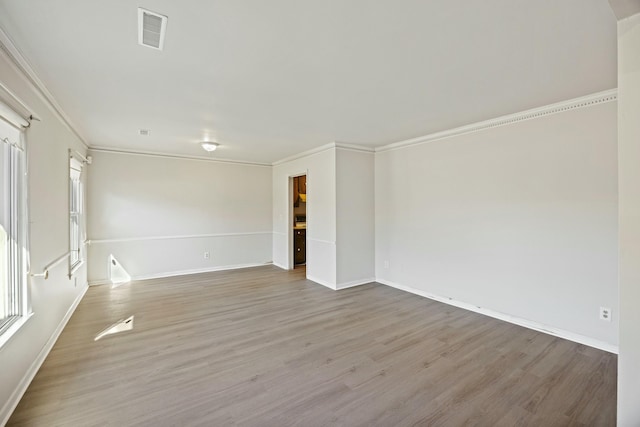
(265, 347)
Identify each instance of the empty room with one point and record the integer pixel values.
(327, 213)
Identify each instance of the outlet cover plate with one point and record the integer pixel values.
(605, 314)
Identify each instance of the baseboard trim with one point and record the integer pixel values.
(182, 273)
(354, 283)
(99, 283)
(280, 265)
(340, 286)
(13, 401)
(571, 336)
(322, 282)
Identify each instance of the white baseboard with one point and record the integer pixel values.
(182, 273)
(17, 394)
(353, 283)
(339, 286)
(571, 336)
(322, 282)
(277, 264)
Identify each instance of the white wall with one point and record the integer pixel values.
(519, 219)
(629, 182)
(320, 168)
(355, 217)
(158, 215)
(48, 143)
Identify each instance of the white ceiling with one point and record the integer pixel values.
(625, 8)
(269, 79)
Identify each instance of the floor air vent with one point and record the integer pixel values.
(151, 28)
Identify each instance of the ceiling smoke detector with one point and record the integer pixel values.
(152, 28)
(209, 146)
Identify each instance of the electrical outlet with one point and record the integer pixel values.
(207, 255)
(605, 314)
(386, 264)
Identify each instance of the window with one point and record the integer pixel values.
(76, 222)
(13, 230)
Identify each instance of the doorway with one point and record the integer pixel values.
(298, 201)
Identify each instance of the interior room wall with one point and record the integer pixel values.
(629, 184)
(519, 220)
(355, 223)
(159, 215)
(320, 169)
(52, 300)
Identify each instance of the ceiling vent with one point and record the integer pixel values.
(151, 28)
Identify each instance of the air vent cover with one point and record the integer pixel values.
(151, 28)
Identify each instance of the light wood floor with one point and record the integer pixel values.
(265, 347)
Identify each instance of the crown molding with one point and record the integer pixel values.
(320, 149)
(354, 147)
(14, 100)
(535, 113)
(8, 47)
(306, 153)
(22, 65)
(108, 150)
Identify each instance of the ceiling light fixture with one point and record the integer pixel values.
(209, 146)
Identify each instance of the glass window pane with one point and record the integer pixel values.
(12, 227)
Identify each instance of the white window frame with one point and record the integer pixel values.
(76, 215)
(15, 310)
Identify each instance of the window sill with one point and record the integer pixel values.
(11, 330)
